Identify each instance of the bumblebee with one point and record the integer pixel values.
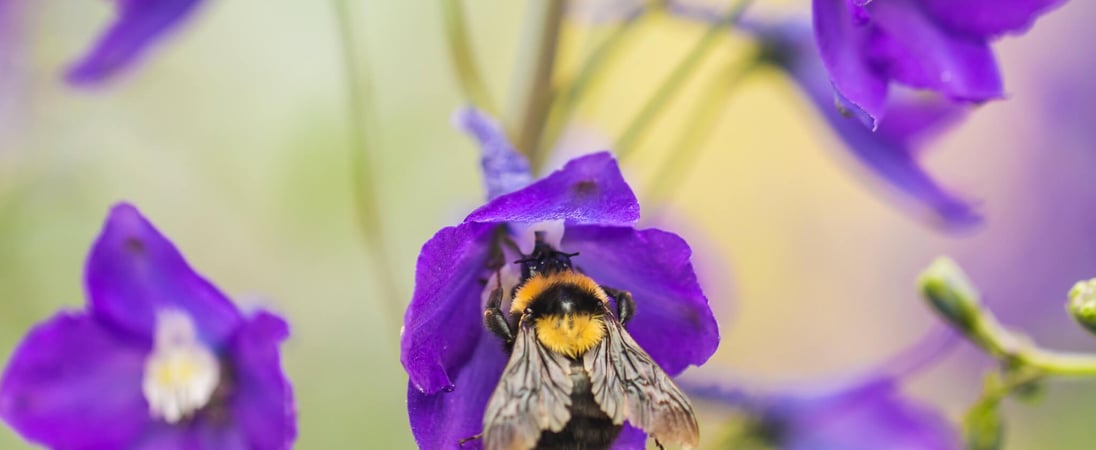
(575, 374)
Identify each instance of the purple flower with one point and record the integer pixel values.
(937, 45)
(862, 413)
(160, 359)
(139, 24)
(890, 151)
(454, 364)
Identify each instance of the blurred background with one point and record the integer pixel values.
(232, 137)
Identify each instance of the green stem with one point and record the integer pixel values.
(590, 75)
(673, 83)
(362, 141)
(533, 75)
(709, 111)
(463, 58)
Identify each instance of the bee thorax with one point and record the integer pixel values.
(570, 334)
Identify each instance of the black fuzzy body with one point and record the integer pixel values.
(589, 428)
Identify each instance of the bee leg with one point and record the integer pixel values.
(657, 444)
(469, 438)
(494, 319)
(626, 305)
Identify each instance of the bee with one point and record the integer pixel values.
(575, 374)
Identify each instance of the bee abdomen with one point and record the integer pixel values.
(589, 428)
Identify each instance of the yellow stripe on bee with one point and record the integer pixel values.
(570, 335)
(533, 287)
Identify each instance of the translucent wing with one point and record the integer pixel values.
(533, 394)
(629, 385)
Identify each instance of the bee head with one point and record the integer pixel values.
(544, 260)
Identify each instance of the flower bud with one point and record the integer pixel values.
(949, 292)
(1082, 304)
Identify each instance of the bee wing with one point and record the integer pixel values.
(533, 394)
(628, 385)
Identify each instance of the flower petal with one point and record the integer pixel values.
(75, 384)
(134, 271)
(445, 317)
(440, 420)
(870, 416)
(139, 24)
(673, 321)
(589, 190)
(989, 17)
(915, 51)
(262, 401)
(631, 438)
(504, 169)
(841, 42)
(887, 152)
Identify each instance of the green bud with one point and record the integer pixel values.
(983, 426)
(950, 293)
(1082, 304)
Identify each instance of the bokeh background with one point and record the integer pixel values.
(232, 137)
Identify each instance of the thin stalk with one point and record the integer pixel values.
(362, 154)
(590, 75)
(463, 58)
(673, 83)
(710, 110)
(536, 60)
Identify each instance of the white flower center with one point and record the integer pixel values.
(181, 373)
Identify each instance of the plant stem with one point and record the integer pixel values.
(463, 58)
(673, 83)
(709, 111)
(362, 154)
(590, 75)
(532, 94)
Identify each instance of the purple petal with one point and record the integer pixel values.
(263, 398)
(915, 51)
(504, 169)
(440, 420)
(631, 438)
(445, 317)
(134, 271)
(841, 42)
(139, 24)
(888, 152)
(589, 190)
(869, 416)
(673, 321)
(75, 384)
(988, 17)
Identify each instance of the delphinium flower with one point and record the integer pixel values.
(138, 25)
(863, 412)
(454, 363)
(160, 359)
(936, 45)
(891, 150)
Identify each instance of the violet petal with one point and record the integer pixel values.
(589, 190)
(445, 317)
(841, 42)
(988, 17)
(631, 438)
(872, 415)
(917, 52)
(75, 384)
(262, 400)
(673, 321)
(504, 169)
(440, 420)
(139, 24)
(134, 271)
(888, 152)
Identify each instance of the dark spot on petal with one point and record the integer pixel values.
(134, 246)
(585, 187)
